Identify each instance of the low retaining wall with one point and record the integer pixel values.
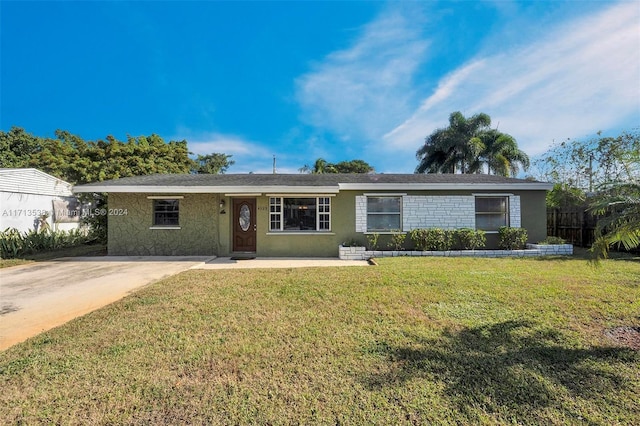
(361, 253)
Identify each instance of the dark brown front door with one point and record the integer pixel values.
(244, 224)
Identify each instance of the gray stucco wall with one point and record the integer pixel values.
(534, 214)
(130, 233)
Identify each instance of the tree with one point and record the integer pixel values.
(454, 148)
(501, 154)
(353, 166)
(322, 166)
(70, 158)
(16, 147)
(592, 164)
(619, 221)
(319, 167)
(563, 195)
(216, 163)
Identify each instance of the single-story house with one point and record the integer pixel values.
(31, 199)
(306, 214)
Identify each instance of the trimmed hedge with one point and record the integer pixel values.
(512, 238)
(433, 239)
(436, 239)
(469, 239)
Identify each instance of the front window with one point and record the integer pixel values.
(384, 214)
(492, 213)
(299, 214)
(166, 212)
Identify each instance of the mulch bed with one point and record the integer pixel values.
(625, 336)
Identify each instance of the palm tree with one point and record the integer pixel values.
(501, 154)
(619, 224)
(321, 166)
(456, 147)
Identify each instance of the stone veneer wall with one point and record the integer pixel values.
(533, 250)
(437, 211)
(130, 233)
(514, 211)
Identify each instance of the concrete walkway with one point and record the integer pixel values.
(40, 296)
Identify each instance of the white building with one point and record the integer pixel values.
(29, 197)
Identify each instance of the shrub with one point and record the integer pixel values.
(397, 240)
(553, 240)
(352, 243)
(512, 238)
(469, 239)
(14, 244)
(373, 240)
(11, 243)
(432, 239)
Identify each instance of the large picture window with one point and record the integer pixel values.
(166, 212)
(492, 213)
(384, 213)
(299, 214)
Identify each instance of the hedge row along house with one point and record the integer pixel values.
(306, 214)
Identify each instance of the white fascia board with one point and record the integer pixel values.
(533, 186)
(148, 189)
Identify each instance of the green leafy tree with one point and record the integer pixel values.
(75, 160)
(319, 167)
(322, 166)
(216, 163)
(353, 166)
(592, 164)
(16, 147)
(563, 195)
(618, 209)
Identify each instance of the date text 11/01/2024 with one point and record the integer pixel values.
(64, 213)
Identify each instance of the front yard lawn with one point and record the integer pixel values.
(414, 340)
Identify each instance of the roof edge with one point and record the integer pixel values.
(168, 189)
(531, 186)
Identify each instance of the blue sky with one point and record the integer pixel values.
(303, 80)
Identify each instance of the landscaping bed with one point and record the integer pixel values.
(532, 250)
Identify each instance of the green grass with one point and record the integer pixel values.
(414, 340)
(83, 250)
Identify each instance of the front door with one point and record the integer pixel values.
(244, 225)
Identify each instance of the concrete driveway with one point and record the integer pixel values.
(40, 296)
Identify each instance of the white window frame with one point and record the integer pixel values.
(399, 213)
(276, 212)
(507, 211)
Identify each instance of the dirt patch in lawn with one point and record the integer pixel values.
(625, 336)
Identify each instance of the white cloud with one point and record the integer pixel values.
(250, 156)
(583, 77)
(229, 144)
(365, 89)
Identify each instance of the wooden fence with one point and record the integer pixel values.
(575, 225)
